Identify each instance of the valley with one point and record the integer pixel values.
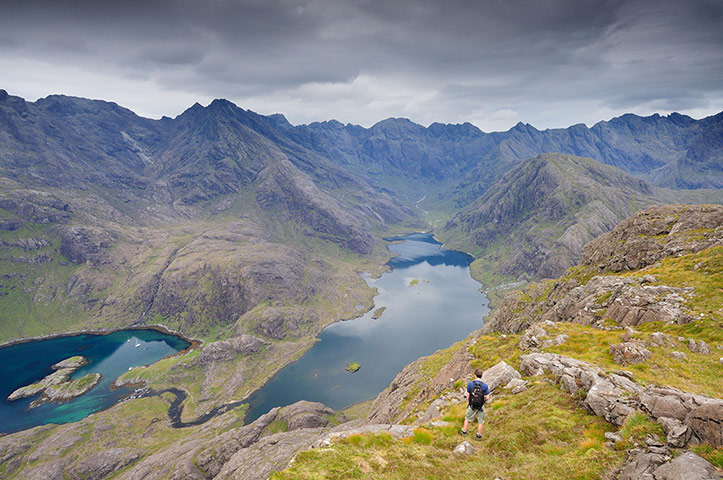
(251, 236)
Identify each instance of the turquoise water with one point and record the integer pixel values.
(441, 308)
(110, 355)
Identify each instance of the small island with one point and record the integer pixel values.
(353, 367)
(378, 312)
(57, 387)
(413, 282)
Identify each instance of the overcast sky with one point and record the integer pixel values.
(551, 63)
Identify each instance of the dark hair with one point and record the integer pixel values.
(478, 373)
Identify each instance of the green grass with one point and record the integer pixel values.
(352, 367)
(553, 438)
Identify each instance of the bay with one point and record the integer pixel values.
(109, 354)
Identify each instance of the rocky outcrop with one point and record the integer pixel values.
(226, 350)
(101, 464)
(82, 244)
(646, 465)
(628, 353)
(57, 387)
(653, 234)
(628, 301)
(614, 397)
(279, 322)
(249, 452)
(392, 404)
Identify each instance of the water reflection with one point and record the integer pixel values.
(431, 303)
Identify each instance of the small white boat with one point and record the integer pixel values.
(138, 344)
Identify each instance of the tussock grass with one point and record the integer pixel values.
(538, 434)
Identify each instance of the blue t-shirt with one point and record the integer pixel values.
(485, 388)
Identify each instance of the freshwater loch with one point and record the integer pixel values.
(110, 355)
(430, 301)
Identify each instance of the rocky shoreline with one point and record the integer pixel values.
(57, 387)
(194, 343)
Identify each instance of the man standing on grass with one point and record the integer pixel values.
(477, 394)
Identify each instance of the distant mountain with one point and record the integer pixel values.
(534, 221)
(109, 219)
(466, 161)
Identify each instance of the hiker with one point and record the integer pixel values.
(477, 394)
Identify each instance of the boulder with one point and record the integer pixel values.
(706, 421)
(532, 338)
(688, 466)
(517, 385)
(463, 448)
(677, 434)
(641, 465)
(553, 342)
(660, 340)
(679, 356)
(500, 374)
(628, 353)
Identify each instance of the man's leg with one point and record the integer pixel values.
(466, 426)
(481, 420)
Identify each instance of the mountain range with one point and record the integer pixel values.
(111, 219)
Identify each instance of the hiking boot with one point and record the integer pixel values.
(479, 437)
(464, 432)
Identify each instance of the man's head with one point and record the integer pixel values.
(478, 373)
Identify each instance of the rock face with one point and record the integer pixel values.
(389, 407)
(225, 350)
(688, 466)
(614, 397)
(544, 210)
(248, 452)
(84, 244)
(628, 353)
(653, 234)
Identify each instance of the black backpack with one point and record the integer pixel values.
(476, 396)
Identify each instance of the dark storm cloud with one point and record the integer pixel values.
(547, 62)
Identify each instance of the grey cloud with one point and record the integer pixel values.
(459, 57)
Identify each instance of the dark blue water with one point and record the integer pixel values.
(443, 307)
(110, 355)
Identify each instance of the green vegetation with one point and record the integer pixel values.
(554, 438)
(413, 282)
(352, 367)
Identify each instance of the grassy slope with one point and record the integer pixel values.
(544, 432)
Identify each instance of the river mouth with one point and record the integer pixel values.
(109, 354)
(427, 302)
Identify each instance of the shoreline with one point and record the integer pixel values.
(193, 343)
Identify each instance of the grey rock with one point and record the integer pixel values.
(679, 356)
(706, 421)
(226, 350)
(677, 434)
(101, 464)
(660, 339)
(613, 437)
(641, 466)
(628, 353)
(688, 466)
(517, 385)
(463, 448)
(500, 374)
(553, 342)
(532, 338)
(703, 348)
